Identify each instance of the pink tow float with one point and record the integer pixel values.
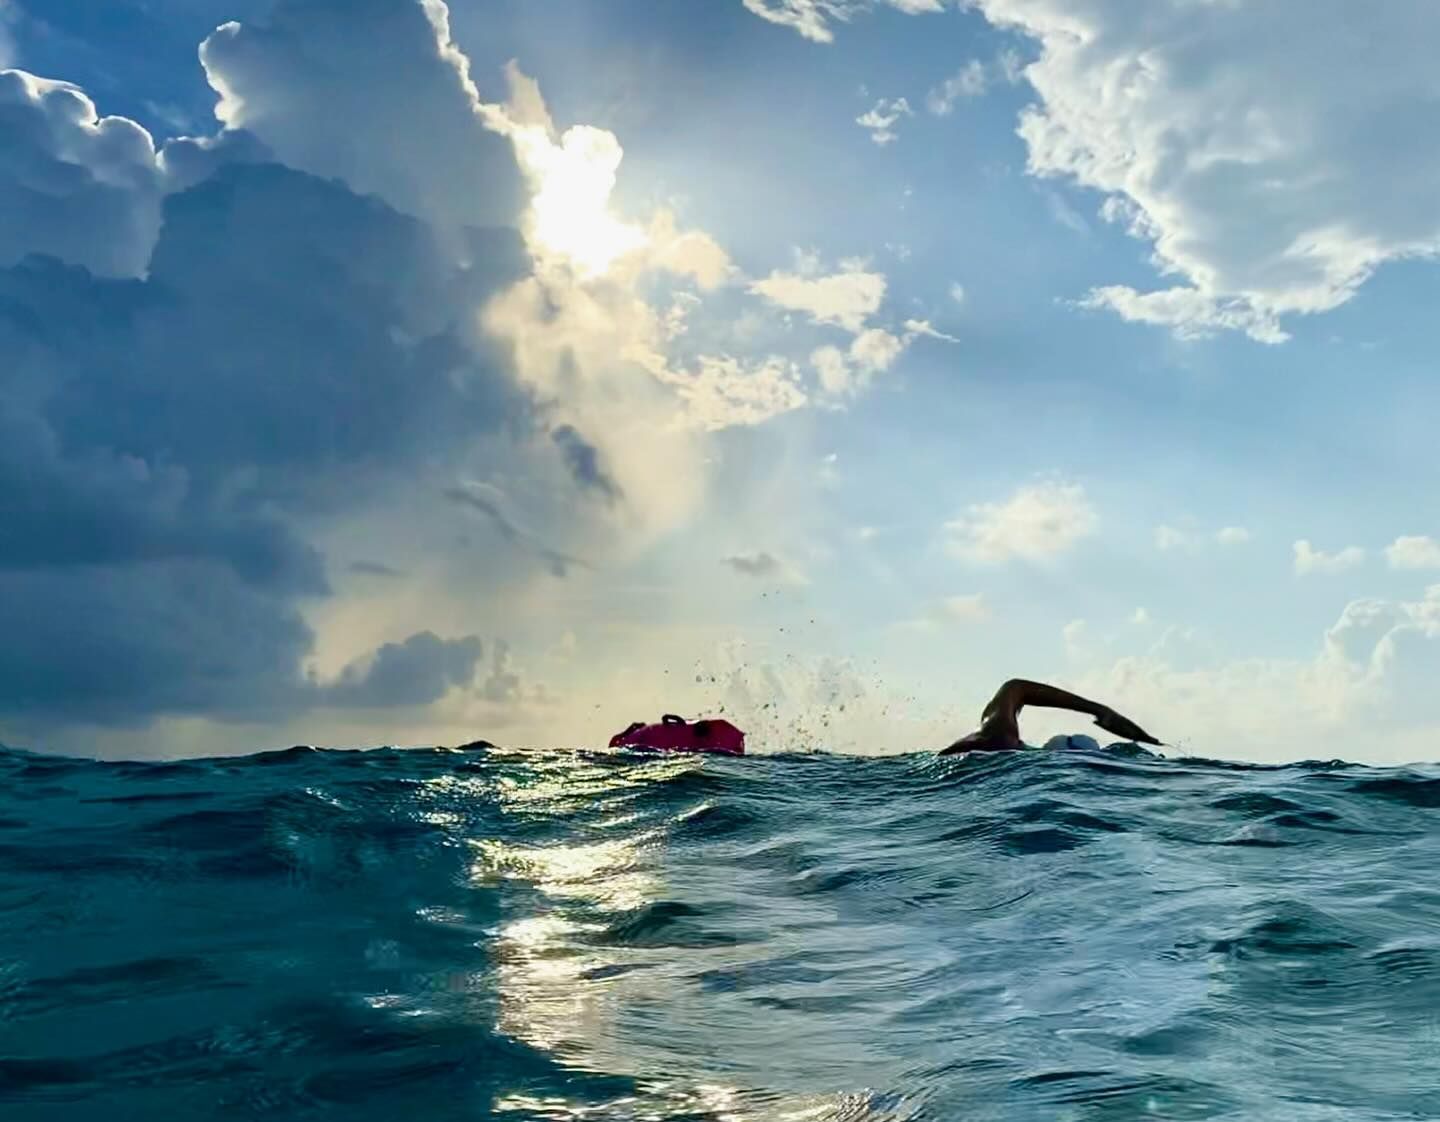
(675, 734)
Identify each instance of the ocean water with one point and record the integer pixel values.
(450, 934)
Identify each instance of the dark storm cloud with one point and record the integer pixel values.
(205, 352)
(161, 442)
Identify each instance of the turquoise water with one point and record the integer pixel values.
(438, 934)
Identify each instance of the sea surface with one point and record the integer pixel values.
(424, 935)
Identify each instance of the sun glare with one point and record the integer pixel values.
(569, 212)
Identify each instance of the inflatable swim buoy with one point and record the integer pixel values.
(675, 734)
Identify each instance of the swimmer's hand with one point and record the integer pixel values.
(1113, 722)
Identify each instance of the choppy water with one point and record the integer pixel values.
(463, 935)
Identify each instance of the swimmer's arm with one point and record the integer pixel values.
(1017, 693)
(1014, 695)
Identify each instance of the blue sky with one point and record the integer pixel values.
(384, 371)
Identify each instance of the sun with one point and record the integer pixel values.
(570, 216)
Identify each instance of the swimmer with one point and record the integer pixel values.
(999, 729)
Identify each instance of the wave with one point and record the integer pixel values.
(490, 933)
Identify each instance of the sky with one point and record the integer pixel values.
(389, 371)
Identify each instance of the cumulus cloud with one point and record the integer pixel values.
(846, 298)
(1255, 154)
(1309, 560)
(848, 373)
(266, 336)
(882, 117)
(373, 92)
(1232, 535)
(165, 441)
(1038, 523)
(1413, 552)
(73, 184)
(813, 18)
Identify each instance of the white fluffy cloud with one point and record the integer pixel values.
(373, 92)
(848, 373)
(1232, 535)
(1413, 552)
(73, 184)
(1310, 560)
(846, 298)
(1038, 523)
(1273, 160)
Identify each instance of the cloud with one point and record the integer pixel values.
(754, 564)
(1365, 694)
(1038, 523)
(168, 445)
(1309, 560)
(1257, 156)
(915, 327)
(882, 117)
(372, 92)
(418, 671)
(971, 80)
(1232, 535)
(764, 566)
(848, 373)
(691, 253)
(74, 185)
(847, 298)
(1413, 552)
(813, 18)
(583, 460)
(957, 292)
